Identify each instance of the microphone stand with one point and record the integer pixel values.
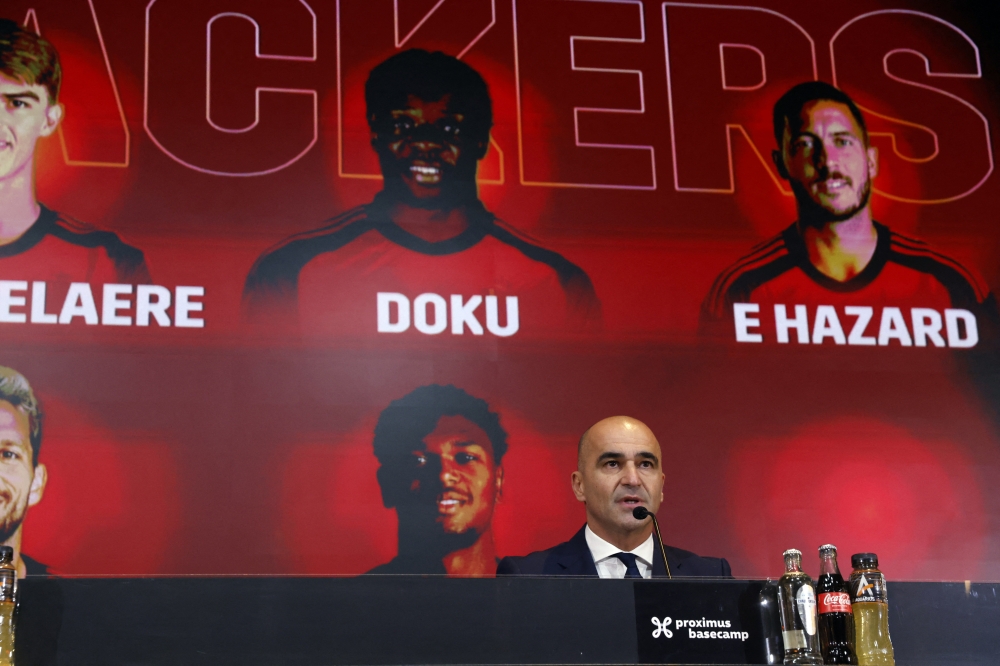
(640, 512)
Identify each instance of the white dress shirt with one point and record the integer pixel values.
(609, 566)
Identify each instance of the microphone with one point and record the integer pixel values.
(640, 513)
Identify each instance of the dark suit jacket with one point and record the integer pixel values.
(573, 558)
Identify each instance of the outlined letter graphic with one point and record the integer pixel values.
(94, 132)
(915, 76)
(368, 32)
(581, 99)
(206, 102)
(726, 66)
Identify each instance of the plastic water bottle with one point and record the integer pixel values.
(871, 612)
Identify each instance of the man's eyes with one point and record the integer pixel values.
(402, 124)
(10, 454)
(450, 127)
(462, 458)
(645, 464)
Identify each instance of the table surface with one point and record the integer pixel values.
(416, 619)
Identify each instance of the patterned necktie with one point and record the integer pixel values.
(631, 569)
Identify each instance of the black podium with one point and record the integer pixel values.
(435, 620)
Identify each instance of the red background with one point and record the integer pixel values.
(217, 451)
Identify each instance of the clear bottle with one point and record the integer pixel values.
(871, 612)
(770, 621)
(8, 599)
(836, 621)
(797, 601)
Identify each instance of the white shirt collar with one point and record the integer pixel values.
(601, 549)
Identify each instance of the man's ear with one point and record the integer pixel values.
(373, 132)
(38, 481)
(388, 485)
(576, 481)
(779, 163)
(53, 116)
(499, 481)
(482, 147)
(872, 161)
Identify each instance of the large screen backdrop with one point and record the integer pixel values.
(253, 342)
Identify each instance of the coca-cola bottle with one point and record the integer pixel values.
(836, 621)
(797, 601)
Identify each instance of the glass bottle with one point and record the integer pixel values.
(797, 601)
(770, 621)
(836, 620)
(8, 598)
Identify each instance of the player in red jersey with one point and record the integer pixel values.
(426, 232)
(37, 243)
(835, 255)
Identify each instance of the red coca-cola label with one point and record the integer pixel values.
(834, 602)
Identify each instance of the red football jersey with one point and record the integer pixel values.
(365, 277)
(59, 250)
(38, 269)
(908, 294)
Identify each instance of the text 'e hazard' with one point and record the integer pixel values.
(956, 328)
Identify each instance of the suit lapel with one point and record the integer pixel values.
(659, 570)
(575, 558)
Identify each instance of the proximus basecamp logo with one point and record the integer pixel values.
(702, 628)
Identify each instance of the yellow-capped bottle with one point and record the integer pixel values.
(870, 604)
(8, 601)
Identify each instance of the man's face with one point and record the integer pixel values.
(824, 157)
(424, 145)
(619, 469)
(21, 484)
(25, 116)
(454, 478)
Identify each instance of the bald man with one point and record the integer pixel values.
(618, 468)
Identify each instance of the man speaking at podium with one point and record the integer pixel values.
(618, 470)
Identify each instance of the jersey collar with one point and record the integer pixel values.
(480, 221)
(797, 251)
(33, 236)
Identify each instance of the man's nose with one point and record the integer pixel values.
(821, 156)
(449, 474)
(631, 475)
(426, 137)
(827, 156)
(426, 145)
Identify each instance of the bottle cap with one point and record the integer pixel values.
(792, 552)
(6, 554)
(864, 561)
(827, 548)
